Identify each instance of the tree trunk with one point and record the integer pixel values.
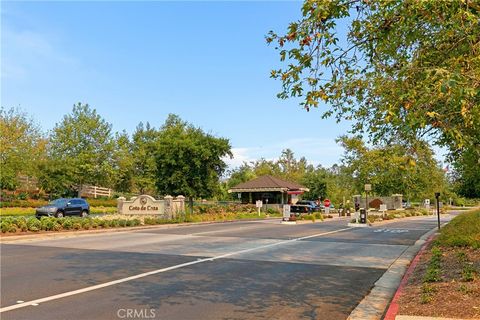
(190, 200)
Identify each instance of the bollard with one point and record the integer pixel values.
(363, 216)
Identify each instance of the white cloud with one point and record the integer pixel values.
(241, 155)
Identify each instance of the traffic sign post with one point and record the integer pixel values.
(286, 212)
(437, 196)
(259, 204)
(327, 203)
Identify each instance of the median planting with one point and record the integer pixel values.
(18, 225)
(446, 281)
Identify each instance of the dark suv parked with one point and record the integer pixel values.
(64, 207)
(303, 206)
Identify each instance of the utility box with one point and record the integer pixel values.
(363, 216)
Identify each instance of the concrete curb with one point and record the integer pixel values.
(373, 306)
(425, 318)
(393, 307)
(379, 223)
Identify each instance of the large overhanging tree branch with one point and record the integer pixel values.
(407, 69)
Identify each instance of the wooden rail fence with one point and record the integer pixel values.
(94, 191)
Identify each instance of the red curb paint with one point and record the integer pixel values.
(393, 307)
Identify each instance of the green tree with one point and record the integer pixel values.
(264, 167)
(22, 147)
(316, 182)
(241, 174)
(81, 150)
(466, 174)
(290, 168)
(393, 168)
(123, 161)
(144, 146)
(404, 68)
(189, 161)
(340, 185)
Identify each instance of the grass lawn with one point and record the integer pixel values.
(462, 231)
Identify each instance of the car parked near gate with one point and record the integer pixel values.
(64, 207)
(304, 207)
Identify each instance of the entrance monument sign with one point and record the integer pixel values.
(148, 205)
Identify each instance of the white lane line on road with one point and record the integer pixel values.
(146, 274)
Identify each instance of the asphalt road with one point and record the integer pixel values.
(239, 270)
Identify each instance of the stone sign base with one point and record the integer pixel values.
(147, 205)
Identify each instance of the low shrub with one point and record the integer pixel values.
(66, 223)
(149, 220)
(318, 215)
(310, 217)
(5, 226)
(33, 224)
(21, 223)
(468, 272)
(57, 226)
(115, 223)
(22, 203)
(86, 223)
(48, 223)
(428, 292)
(273, 211)
(433, 272)
(390, 216)
(102, 202)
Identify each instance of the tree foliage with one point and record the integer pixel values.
(466, 174)
(286, 167)
(393, 168)
(144, 146)
(189, 161)
(316, 182)
(123, 160)
(22, 147)
(404, 69)
(81, 149)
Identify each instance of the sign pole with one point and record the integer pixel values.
(368, 187)
(437, 195)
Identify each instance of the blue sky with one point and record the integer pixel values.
(139, 61)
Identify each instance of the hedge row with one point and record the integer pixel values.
(229, 208)
(32, 203)
(13, 225)
(401, 214)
